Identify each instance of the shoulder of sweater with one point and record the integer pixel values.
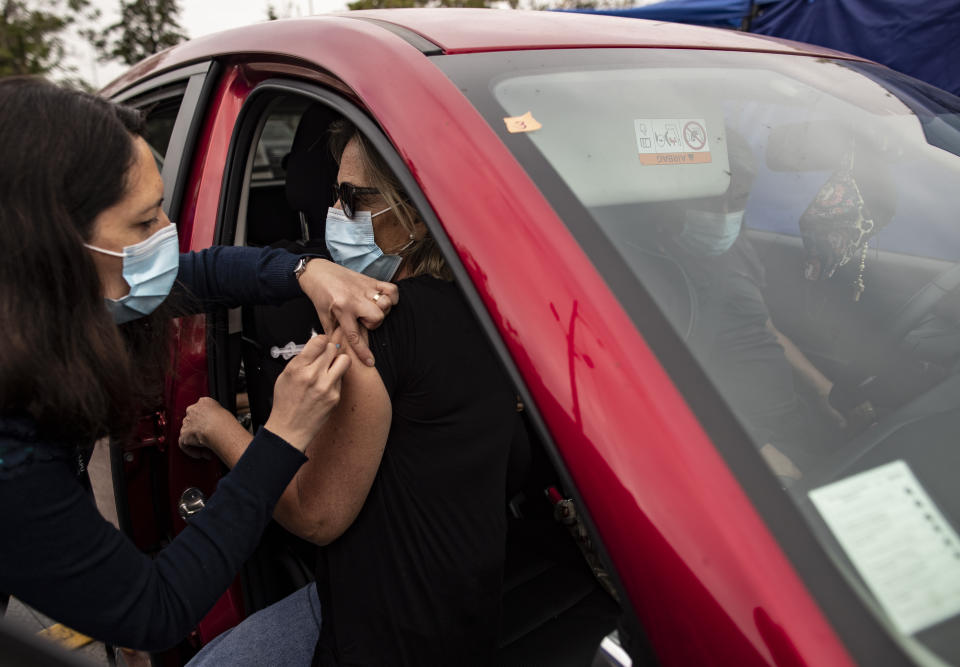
(21, 444)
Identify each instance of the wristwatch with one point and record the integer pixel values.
(301, 266)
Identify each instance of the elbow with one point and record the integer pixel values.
(325, 532)
(319, 530)
(321, 539)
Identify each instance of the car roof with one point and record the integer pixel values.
(471, 30)
(452, 31)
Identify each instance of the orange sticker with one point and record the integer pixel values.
(524, 123)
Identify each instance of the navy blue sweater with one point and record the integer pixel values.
(60, 556)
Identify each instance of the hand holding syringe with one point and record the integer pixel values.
(290, 350)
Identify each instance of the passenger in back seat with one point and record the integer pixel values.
(405, 487)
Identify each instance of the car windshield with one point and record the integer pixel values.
(795, 219)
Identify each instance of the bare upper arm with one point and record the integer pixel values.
(345, 455)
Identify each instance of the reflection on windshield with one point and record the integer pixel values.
(796, 222)
(938, 111)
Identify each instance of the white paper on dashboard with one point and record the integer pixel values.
(898, 541)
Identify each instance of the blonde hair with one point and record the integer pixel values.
(423, 256)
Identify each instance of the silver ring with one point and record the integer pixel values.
(376, 297)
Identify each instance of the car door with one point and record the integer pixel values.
(263, 204)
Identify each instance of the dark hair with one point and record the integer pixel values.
(63, 361)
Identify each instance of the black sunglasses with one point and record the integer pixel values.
(347, 193)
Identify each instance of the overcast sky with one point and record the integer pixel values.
(198, 17)
(202, 17)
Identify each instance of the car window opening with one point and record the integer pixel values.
(557, 598)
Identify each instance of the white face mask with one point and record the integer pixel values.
(351, 244)
(150, 268)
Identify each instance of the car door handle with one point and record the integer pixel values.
(191, 502)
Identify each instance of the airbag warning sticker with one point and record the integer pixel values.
(898, 541)
(672, 141)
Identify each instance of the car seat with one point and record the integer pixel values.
(310, 173)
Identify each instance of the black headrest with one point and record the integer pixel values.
(311, 169)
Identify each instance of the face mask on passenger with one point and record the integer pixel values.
(709, 232)
(351, 244)
(150, 268)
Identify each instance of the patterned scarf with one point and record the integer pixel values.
(836, 224)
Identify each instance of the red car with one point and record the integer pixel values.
(720, 268)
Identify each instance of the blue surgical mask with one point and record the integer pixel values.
(351, 244)
(709, 232)
(149, 267)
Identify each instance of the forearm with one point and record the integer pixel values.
(810, 374)
(228, 440)
(230, 276)
(69, 563)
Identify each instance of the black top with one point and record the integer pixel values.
(730, 334)
(416, 578)
(60, 556)
(740, 354)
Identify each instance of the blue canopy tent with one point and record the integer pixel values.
(915, 37)
(716, 13)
